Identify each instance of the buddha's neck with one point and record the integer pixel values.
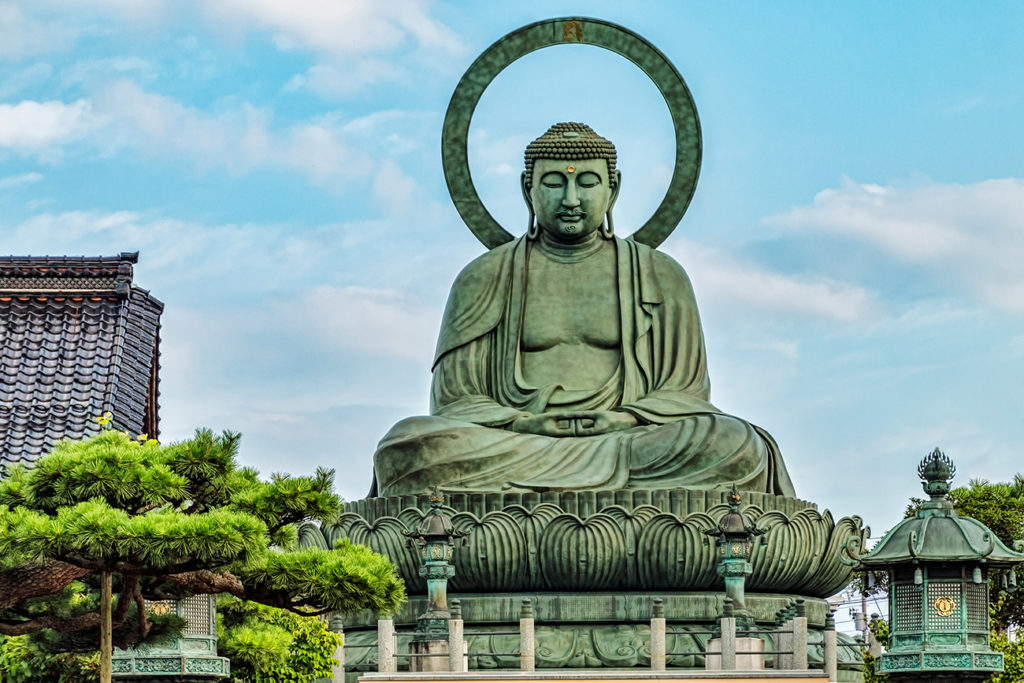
(568, 252)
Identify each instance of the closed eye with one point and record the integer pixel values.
(552, 180)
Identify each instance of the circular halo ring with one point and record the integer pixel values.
(455, 132)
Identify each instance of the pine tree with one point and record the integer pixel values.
(157, 522)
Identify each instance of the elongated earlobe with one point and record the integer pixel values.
(532, 229)
(608, 228)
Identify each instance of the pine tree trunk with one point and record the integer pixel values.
(106, 640)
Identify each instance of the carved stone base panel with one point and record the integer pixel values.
(604, 607)
(187, 669)
(564, 642)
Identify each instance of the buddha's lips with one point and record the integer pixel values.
(572, 215)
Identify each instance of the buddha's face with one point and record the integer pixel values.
(570, 198)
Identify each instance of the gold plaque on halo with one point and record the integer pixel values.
(944, 606)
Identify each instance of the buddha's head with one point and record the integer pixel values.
(570, 183)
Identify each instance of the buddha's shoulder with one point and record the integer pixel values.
(663, 264)
(487, 266)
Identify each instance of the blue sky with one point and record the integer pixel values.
(855, 241)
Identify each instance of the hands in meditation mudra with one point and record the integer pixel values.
(571, 359)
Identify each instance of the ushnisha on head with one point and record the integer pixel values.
(570, 183)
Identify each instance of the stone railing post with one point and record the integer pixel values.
(728, 626)
(783, 641)
(456, 640)
(337, 625)
(831, 648)
(386, 661)
(526, 637)
(658, 635)
(800, 636)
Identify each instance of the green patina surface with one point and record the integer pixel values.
(571, 428)
(192, 658)
(570, 359)
(571, 31)
(521, 543)
(939, 565)
(592, 630)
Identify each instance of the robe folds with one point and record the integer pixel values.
(478, 390)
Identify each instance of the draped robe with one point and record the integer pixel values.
(478, 390)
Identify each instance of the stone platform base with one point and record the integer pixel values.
(603, 677)
(606, 630)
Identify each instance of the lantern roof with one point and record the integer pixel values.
(436, 524)
(937, 533)
(734, 523)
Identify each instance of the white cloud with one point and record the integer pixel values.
(348, 35)
(88, 71)
(21, 35)
(20, 179)
(363, 320)
(241, 139)
(338, 28)
(132, 9)
(971, 236)
(21, 79)
(395, 191)
(788, 349)
(31, 126)
(337, 80)
(718, 278)
(156, 124)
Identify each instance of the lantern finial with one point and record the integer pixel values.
(936, 472)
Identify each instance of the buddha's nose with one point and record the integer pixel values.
(571, 196)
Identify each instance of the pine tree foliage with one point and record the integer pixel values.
(169, 521)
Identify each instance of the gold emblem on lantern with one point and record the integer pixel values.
(159, 607)
(944, 606)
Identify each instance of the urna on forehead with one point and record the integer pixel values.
(570, 141)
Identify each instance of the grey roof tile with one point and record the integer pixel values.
(76, 339)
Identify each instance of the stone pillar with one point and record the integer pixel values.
(337, 625)
(728, 624)
(658, 635)
(831, 649)
(527, 643)
(721, 651)
(783, 642)
(456, 642)
(386, 661)
(729, 652)
(799, 637)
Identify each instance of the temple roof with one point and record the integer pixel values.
(77, 340)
